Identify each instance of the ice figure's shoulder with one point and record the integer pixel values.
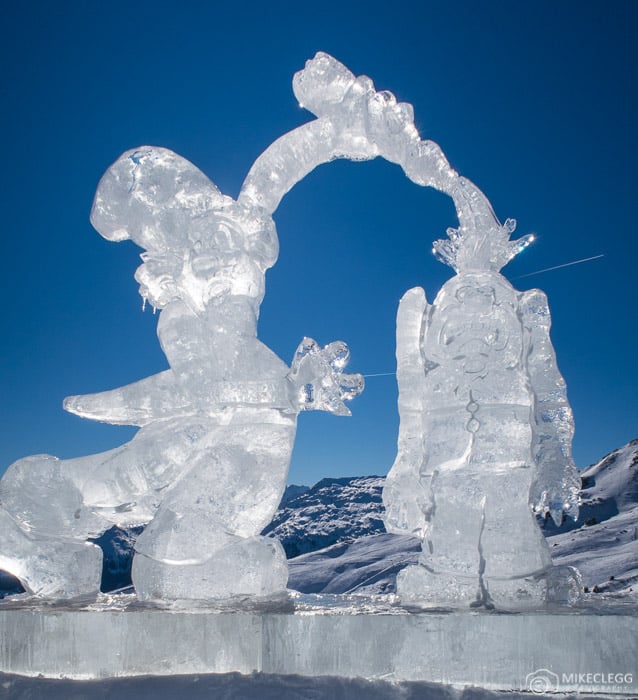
(411, 319)
(534, 307)
(414, 299)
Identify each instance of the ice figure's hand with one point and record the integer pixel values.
(557, 497)
(317, 378)
(370, 122)
(408, 504)
(323, 84)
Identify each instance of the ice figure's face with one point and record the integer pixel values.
(199, 279)
(158, 278)
(476, 324)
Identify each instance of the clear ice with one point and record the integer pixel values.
(485, 429)
(485, 424)
(208, 466)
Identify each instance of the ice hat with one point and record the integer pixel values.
(163, 203)
(481, 242)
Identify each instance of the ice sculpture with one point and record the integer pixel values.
(485, 428)
(481, 398)
(208, 466)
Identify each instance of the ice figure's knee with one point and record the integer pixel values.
(27, 470)
(228, 489)
(39, 496)
(175, 537)
(26, 482)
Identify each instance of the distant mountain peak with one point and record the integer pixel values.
(333, 510)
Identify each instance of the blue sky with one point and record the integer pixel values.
(535, 102)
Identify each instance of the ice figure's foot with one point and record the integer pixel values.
(64, 570)
(255, 567)
(528, 593)
(564, 585)
(48, 567)
(419, 586)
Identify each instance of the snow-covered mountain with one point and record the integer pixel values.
(333, 510)
(334, 536)
(603, 542)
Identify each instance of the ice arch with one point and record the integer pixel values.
(354, 122)
(483, 408)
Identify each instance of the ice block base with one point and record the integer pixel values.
(590, 650)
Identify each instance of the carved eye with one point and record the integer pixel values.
(447, 338)
(203, 264)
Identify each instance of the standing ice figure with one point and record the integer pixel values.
(208, 466)
(485, 426)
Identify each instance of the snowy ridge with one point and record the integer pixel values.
(603, 542)
(332, 511)
(367, 566)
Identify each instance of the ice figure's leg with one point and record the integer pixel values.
(421, 586)
(517, 557)
(448, 573)
(203, 542)
(43, 530)
(253, 566)
(59, 504)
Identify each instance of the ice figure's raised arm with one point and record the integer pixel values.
(557, 481)
(406, 494)
(354, 121)
(140, 403)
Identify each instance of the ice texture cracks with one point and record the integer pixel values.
(485, 423)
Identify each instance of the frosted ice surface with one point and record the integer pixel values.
(318, 635)
(485, 428)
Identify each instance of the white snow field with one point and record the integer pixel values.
(257, 686)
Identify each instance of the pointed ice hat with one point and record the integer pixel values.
(481, 242)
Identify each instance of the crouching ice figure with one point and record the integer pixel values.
(485, 429)
(208, 466)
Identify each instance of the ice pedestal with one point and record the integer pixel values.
(585, 651)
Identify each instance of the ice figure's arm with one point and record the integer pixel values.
(316, 378)
(138, 404)
(557, 482)
(354, 122)
(407, 493)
